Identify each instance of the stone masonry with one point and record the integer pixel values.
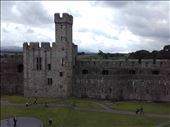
(11, 73)
(55, 71)
(48, 71)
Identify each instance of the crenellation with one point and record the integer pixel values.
(66, 18)
(45, 45)
(34, 45)
(25, 45)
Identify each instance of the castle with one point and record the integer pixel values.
(48, 71)
(58, 72)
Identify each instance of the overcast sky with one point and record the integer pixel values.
(109, 26)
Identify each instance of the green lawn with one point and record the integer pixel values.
(23, 100)
(70, 117)
(74, 118)
(162, 108)
(69, 101)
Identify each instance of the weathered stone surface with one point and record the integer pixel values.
(61, 58)
(11, 73)
(123, 82)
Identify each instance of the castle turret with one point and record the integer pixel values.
(63, 27)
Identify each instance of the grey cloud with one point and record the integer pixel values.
(5, 30)
(27, 13)
(98, 33)
(75, 13)
(143, 18)
(115, 4)
(30, 31)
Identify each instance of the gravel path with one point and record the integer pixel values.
(21, 122)
(164, 124)
(108, 109)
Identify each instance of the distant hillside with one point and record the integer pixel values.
(11, 49)
(144, 54)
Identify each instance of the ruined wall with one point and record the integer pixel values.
(11, 73)
(123, 80)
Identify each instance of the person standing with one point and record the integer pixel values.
(15, 121)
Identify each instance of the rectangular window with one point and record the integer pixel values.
(161, 64)
(154, 61)
(105, 72)
(38, 63)
(61, 26)
(63, 38)
(84, 71)
(62, 62)
(155, 72)
(50, 81)
(139, 61)
(146, 64)
(61, 74)
(49, 66)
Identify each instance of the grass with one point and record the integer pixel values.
(150, 107)
(69, 101)
(23, 100)
(74, 118)
(70, 117)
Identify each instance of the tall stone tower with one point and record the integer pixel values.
(63, 27)
(48, 71)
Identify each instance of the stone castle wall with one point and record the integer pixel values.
(123, 80)
(54, 77)
(11, 73)
(55, 71)
(55, 66)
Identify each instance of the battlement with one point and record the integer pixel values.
(65, 18)
(36, 45)
(45, 45)
(145, 63)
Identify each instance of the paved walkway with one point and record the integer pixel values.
(164, 124)
(21, 122)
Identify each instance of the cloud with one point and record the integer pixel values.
(145, 19)
(30, 31)
(5, 30)
(27, 13)
(110, 26)
(97, 32)
(115, 4)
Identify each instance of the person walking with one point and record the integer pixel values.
(141, 111)
(50, 122)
